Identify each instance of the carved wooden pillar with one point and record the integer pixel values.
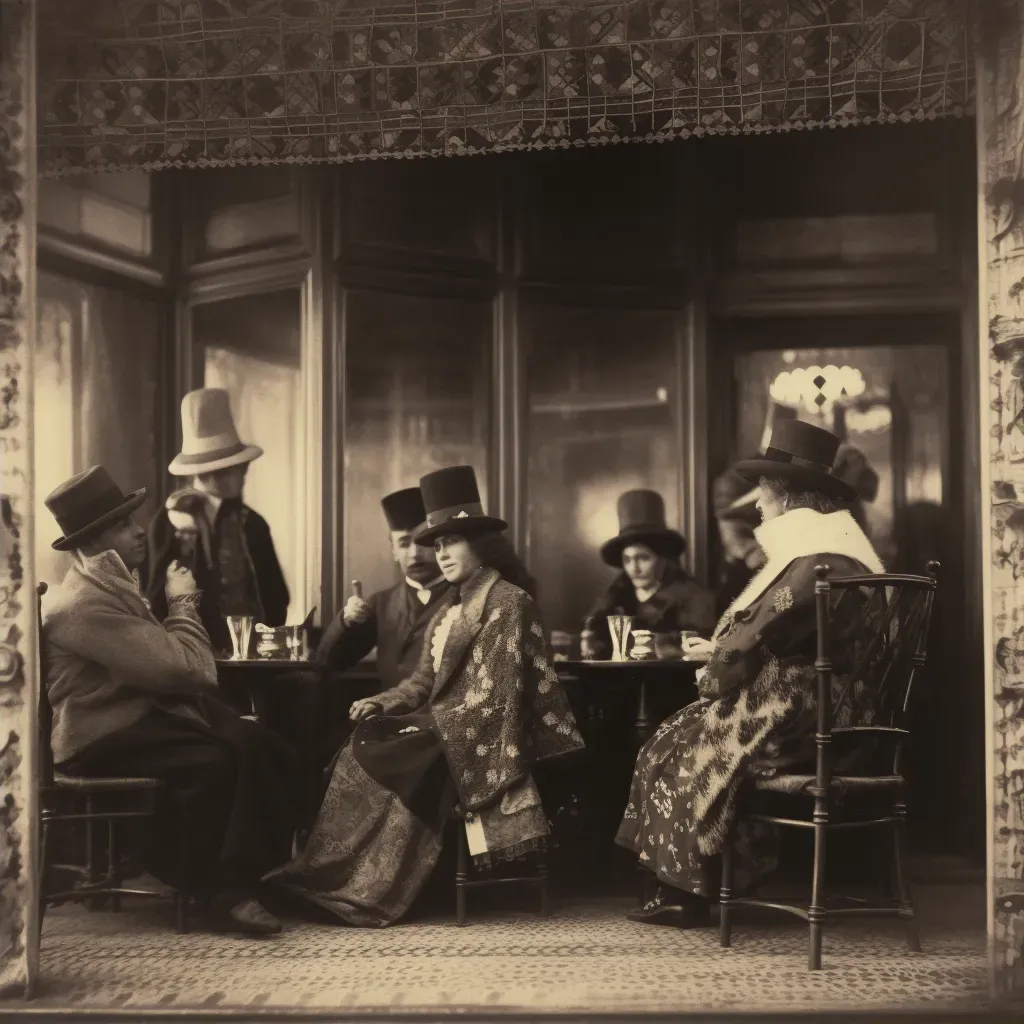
(1000, 80)
(18, 843)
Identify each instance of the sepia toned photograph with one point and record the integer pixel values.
(512, 509)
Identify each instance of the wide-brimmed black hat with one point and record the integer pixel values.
(803, 455)
(404, 510)
(87, 504)
(642, 521)
(452, 501)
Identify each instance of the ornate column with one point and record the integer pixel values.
(1000, 81)
(18, 839)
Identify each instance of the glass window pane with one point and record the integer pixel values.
(97, 370)
(252, 349)
(112, 209)
(602, 399)
(417, 380)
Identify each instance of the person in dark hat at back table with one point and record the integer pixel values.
(736, 515)
(651, 586)
(207, 526)
(131, 696)
(393, 620)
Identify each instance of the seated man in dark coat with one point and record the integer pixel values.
(208, 528)
(133, 697)
(393, 620)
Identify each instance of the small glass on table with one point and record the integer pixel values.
(240, 629)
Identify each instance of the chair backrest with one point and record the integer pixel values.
(872, 640)
(45, 711)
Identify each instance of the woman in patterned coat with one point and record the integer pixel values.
(757, 687)
(481, 709)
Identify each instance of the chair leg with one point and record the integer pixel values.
(725, 894)
(181, 912)
(542, 882)
(816, 913)
(44, 835)
(461, 874)
(900, 880)
(114, 863)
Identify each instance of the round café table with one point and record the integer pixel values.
(635, 673)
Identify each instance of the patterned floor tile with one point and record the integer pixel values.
(585, 957)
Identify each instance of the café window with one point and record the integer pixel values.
(417, 398)
(96, 378)
(251, 347)
(602, 393)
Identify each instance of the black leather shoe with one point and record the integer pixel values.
(668, 909)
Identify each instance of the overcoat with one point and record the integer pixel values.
(495, 700)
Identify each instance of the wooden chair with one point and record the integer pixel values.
(465, 880)
(66, 799)
(853, 764)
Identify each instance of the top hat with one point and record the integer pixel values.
(642, 521)
(803, 455)
(452, 501)
(733, 498)
(209, 438)
(404, 510)
(88, 503)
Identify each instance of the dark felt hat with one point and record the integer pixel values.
(87, 504)
(452, 501)
(642, 521)
(404, 510)
(803, 455)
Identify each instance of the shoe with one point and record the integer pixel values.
(248, 917)
(667, 909)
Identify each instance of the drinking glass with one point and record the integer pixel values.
(240, 628)
(296, 642)
(619, 626)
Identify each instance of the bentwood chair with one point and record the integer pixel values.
(93, 802)
(858, 777)
(467, 878)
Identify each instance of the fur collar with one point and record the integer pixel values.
(801, 534)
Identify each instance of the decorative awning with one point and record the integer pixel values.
(176, 83)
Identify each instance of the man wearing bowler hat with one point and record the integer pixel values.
(394, 620)
(207, 526)
(131, 696)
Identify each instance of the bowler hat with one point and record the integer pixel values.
(642, 521)
(209, 438)
(452, 501)
(404, 510)
(803, 455)
(87, 504)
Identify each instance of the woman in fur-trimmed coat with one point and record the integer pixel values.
(757, 689)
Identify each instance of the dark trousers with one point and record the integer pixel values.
(230, 799)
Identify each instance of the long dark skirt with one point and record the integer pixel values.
(227, 810)
(380, 829)
(660, 824)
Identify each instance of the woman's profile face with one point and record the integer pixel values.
(456, 558)
(643, 567)
(769, 503)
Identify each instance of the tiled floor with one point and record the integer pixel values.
(587, 956)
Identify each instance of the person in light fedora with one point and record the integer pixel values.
(758, 695)
(207, 526)
(651, 585)
(131, 696)
(482, 707)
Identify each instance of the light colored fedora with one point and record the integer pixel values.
(209, 437)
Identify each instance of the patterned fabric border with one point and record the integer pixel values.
(172, 83)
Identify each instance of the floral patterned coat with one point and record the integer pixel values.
(496, 702)
(758, 692)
